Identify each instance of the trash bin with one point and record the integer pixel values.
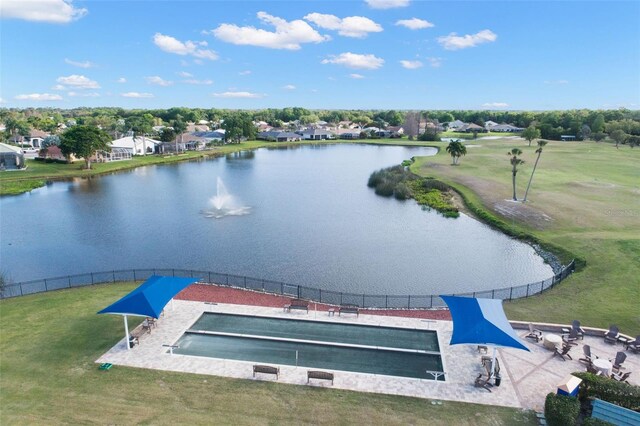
(569, 386)
(498, 380)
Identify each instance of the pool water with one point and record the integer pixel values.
(314, 344)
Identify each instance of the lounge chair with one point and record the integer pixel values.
(570, 339)
(564, 352)
(575, 325)
(481, 382)
(633, 345)
(588, 357)
(620, 377)
(617, 362)
(611, 336)
(534, 333)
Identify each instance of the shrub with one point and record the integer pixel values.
(430, 183)
(618, 393)
(560, 410)
(385, 188)
(402, 192)
(590, 421)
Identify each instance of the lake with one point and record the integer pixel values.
(303, 215)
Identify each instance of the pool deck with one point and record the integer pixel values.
(526, 376)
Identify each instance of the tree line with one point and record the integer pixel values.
(620, 125)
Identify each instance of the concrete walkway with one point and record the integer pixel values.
(526, 376)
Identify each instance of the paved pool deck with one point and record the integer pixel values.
(527, 377)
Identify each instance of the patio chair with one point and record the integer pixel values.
(570, 339)
(534, 333)
(619, 377)
(564, 352)
(575, 325)
(611, 336)
(617, 362)
(481, 382)
(633, 345)
(588, 357)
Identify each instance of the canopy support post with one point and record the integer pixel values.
(126, 331)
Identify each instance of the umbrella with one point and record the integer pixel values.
(481, 322)
(149, 299)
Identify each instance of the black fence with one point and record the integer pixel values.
(279, 288)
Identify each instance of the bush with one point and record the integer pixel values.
(430, 183)
(402, 192)
(590, 421)
(560, 410)
(618, 393)
(385, 188)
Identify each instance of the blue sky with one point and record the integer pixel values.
(371, 54)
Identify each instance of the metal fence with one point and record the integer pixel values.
(278, 288)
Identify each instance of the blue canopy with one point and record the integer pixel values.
(481, 322)
(150, 298)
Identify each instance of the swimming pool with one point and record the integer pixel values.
(314, 344)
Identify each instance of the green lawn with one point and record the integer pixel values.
(49, 342)
(591, 192)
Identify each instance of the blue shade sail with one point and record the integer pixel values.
(481, 322)
(151, 297)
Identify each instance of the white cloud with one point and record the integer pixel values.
(411, 65)
(76, 81)
(39, 97)
(288, 35)
(415, 23)
(58, 87)
(245, 95)
(51, 11)
(193, 48)
(121, 80)
(352, 26)
(84, 94)
(495, 105)
(556, 82)
(387, 4)
(355, 60)
(136, 95)
(83, 64)
(456, 42)
(2, 101)
(158, 81)
(435, 62)
(289, 87)
(184, 74)
(356, 76)
(246, 72)
(202, 82)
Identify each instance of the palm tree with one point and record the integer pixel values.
(179, 127)
(541, 145)
(456, 149)
(515, 162)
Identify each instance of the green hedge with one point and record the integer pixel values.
(560, 410)
(618, 393)
(590, 421)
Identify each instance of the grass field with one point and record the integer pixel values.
(49, 342)
(585, 198)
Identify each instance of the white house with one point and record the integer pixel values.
(136, 147)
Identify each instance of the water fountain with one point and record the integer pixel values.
(224, 204)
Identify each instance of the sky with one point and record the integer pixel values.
(348, 54)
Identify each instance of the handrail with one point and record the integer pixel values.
(381, 301)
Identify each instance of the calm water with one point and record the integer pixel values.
(311, 220)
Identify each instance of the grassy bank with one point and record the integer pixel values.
(584, 203)
(49, 342)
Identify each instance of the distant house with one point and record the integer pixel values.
(505, 128)
(116, 154)
(136, 146)
(396, 131)
(471, 128)
(279, 136)
(455, 125)
(567, 138)
(35, 138)
(489, 124)
(315, 134)
(11, 157)
(192, 127)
